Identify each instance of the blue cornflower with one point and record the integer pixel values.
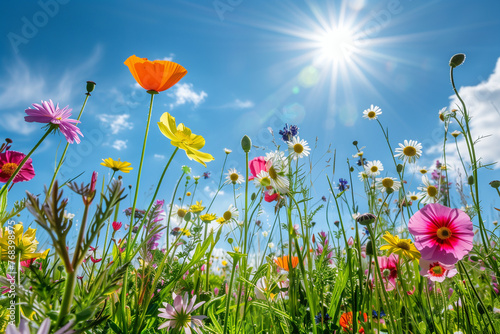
(375, 315)
(289, 132)
(206, 175)
(366, 231)
(325, 318)
(362, 162)
(343, 184)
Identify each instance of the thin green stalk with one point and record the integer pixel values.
(228, 296)
(18, 284)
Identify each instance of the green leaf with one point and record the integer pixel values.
(115, 327)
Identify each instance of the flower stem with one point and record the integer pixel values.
(65, 149)
(24, 160)
(228, 296)
(69, 291)
(18, 284)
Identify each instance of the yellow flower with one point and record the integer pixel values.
(402, 247)
(221, 220)
(208, 217)
(224, 263)
(196, 207)
(185, 231)
(117, 165)
(25, 244)
(180, 136)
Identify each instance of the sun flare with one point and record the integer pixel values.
(337, 44)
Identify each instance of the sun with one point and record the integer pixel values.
(336, 45)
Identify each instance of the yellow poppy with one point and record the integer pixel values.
(180, 136)
(25, 244)
(156, 75)
(401, 247)
(117, 165)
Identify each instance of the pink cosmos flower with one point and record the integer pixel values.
(441, 234)
(179, 316)
(47, 113)
(388, 269)
(436, 271)
(256, 166)
(117, 226)
(9, 161)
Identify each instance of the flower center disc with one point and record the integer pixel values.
(265, 182)
(371, 114)
(181, 213)
(437, 270)
(432, 191)
(410, 151)
(403, 245)
(298, 148)
(227, 215)
(413, 198)
(443, 233)
(374, 169)
(234, 177)
(272, 173)
(388, 183)
(9, 168)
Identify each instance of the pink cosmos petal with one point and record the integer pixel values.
(270, 198)
(25, 174)
(424, 226)
(257, 165)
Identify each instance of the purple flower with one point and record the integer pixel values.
(59, 118)
(289, 132)
(206, 175)
(343, 184)
(179, 316)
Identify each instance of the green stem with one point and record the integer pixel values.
(18, 284)
(69, 291)
(228, 296)
(66, 149)
(4, 188)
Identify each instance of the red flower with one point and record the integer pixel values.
(95, 260)
(117, 226)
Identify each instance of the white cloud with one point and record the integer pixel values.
(119, 144)
(116, 123)
(159, 156)
(184, 93)
(211, 192)
(239, 104)
(483, 105)
(170, 57)
(14, 122)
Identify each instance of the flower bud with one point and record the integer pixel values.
(369, 248)
(253, 196)
(366, 219)
(470, 180)
(399, 168)
(355, 142)
(187, 217)
(246, 144)
(230, 240)
(8, 140)
(495, 184)
(457, 60)
(90, 87)
(351, 169)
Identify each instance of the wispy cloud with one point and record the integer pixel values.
(211, 192)
(14, 122)
(184, 93)
(159, 156)
(119, 144)
(170, 57)
(238, 104)
(483, 104)
(116, 123)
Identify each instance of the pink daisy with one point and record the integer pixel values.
(9, 161)
(441, 234)
(388, 269)
(179, 316)
(47, 113)
(436, 271)
(257, 165)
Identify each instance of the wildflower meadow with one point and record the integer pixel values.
(388, 246)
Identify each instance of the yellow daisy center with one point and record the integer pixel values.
(59, 118)
(374, 169)
(181, 213)
(371, 114)
(410, 151)
(423, 171)
(413, 197)
(432, 191)
(272, 173)
(227, 215)
(443, 233)
(388, 182)
(265, 181)
(9, 168)
(298, 148)
(403, 244)
(188, 194)
(234, 177)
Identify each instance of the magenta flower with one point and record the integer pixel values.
(59, 118)
(9, 161)
(436, 271)
(117, 226)
(179, 316)
(441, 234)
(388, 269)
(256, 166)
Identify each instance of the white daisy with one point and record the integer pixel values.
(178, 213)
(456, 133)
(231, 213)
(413, 196)
(384, 183)
(419, 169)
(373, 168)
(275, 155)
(363, 176)
(232, 176)
(275, 169)
(262, 180)
(372, 112)
(410, 151)
(298, 148)
(429, 192)
(265, 234)
(270, 245)
(68, 215)
(227, 151)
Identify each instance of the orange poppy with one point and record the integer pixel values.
(346, 322)
(157, 75)
(282, 262)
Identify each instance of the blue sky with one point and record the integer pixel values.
(251, 65)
